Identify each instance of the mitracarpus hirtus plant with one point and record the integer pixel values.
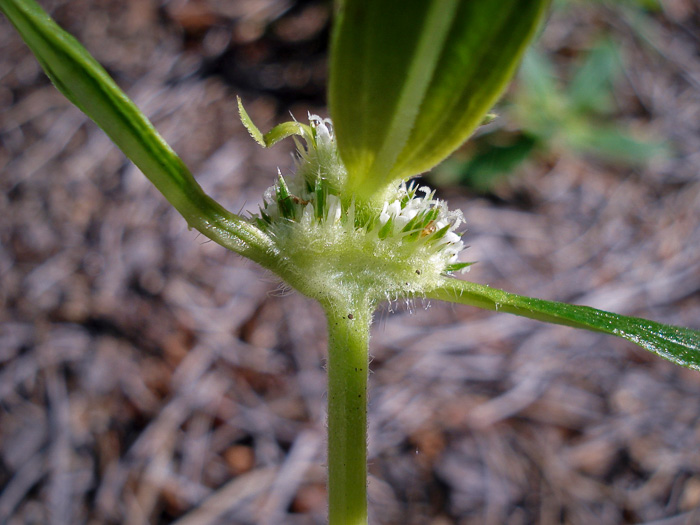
(351, 228)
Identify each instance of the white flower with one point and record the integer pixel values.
(324, 127)
(389, 211)
(334, 209)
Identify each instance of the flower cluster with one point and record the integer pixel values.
(401, 247)
(415, 217)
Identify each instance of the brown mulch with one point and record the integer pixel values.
(148, 376)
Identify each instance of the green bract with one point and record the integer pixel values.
(410, 81)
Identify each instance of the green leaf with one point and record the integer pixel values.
(87, 85)
(276, 134)
(537, 83)
(590, 89)
(410, 81)
(677, 344)
(538, 105)
(613, 144)
(494, 161)
(456, 267)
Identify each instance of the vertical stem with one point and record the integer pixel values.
(348, 360)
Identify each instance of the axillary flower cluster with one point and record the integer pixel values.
(398, 249)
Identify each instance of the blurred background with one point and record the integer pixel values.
(148, 376)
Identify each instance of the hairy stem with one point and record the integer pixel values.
(348, 340)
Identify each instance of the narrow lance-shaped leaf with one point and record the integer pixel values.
(410, 81)
(677, 344)
(87, 85)
(276, 134)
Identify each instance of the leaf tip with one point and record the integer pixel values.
(253, 130)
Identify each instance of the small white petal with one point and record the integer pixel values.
(323, 133)
(451, 237)
(394, 208)
(410, 213)
(334, 209)
(384, 215)
(404, 218)
(308, 215)
(270, 194)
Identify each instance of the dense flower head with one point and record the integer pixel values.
(413, 234)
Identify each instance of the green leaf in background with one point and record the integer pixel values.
(612, 144)
(677, 344)
(408, 86)
(578, 117)
(538, 104)
(536, 77)
(591, 87)
(490, 164)
(87, 85)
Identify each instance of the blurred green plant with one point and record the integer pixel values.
(545, 117)
(409, 82)
(651, 6)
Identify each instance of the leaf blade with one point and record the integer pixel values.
(410, 81)
(676, 344)
(485, 46)
(276, 134)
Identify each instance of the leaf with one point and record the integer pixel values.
(87, 85)
(612, 144)
(590, 89)
(457, 267)
(410, 81)
(495, 161)
(679, 345)
(276, 134)
(538, 104)
(536, 78)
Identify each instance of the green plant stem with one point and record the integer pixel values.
(348, 360)
(86, 84)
